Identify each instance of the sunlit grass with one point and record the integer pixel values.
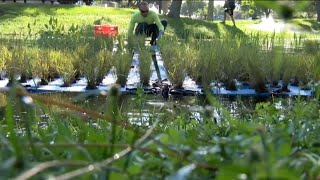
(17, 17)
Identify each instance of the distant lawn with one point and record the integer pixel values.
(307, 24)
(16, 17)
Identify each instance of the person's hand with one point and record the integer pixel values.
(161, 33)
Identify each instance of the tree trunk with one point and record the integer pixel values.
(318, 9)
(157, 4)
(160, 6)
(165, 6)
(210, 10)
(129, 3)
(175, 9)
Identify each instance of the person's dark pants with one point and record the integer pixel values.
(150, 30)
(229, 10)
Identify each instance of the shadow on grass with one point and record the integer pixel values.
(13, 10)
(313, 26)
(233, 31)
(185, 27)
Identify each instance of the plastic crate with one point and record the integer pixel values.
(105, 30)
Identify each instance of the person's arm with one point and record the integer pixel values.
(158, 23)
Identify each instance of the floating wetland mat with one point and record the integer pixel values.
(158, 80)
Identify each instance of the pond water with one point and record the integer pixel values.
(138, 108)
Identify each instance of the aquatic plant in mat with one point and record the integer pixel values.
(192, 60)
(144, 65)
(208, 71)
(304, 66)
(298, 69)
(67, 70)
(104, 64)
(94, 59)
(286, 74)
(13, 57)
(255, 66)
(46, 64)
(19, 63)
(5, 55)
(121, 60)
(88, 63)
(276, 66)
(22, 57)
(273, 64)
(26, 64)
(316, 70)
(174, 60)
(135, 42)
(122, 63)
(104, 42)
(292, 67)
(231, 57)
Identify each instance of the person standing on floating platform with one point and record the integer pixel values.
(229, 7)
(148, 23)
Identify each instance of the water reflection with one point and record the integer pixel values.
(144, 110)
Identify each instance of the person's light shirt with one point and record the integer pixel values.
(151, 18)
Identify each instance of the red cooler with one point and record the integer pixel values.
(106, 30)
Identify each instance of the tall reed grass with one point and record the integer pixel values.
(208, 68)
(13, 58)
(122, 59)
(104, 58)
(174, 60)
(47, 66)
(122, 63)
(144, 65)
(67, 70)
(5, 56)
(193, 60)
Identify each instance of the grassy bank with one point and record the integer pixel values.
(16, 17)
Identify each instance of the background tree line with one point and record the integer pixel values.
(247, 8)
(207, 10)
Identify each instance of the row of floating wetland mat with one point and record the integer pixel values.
(159, 83)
